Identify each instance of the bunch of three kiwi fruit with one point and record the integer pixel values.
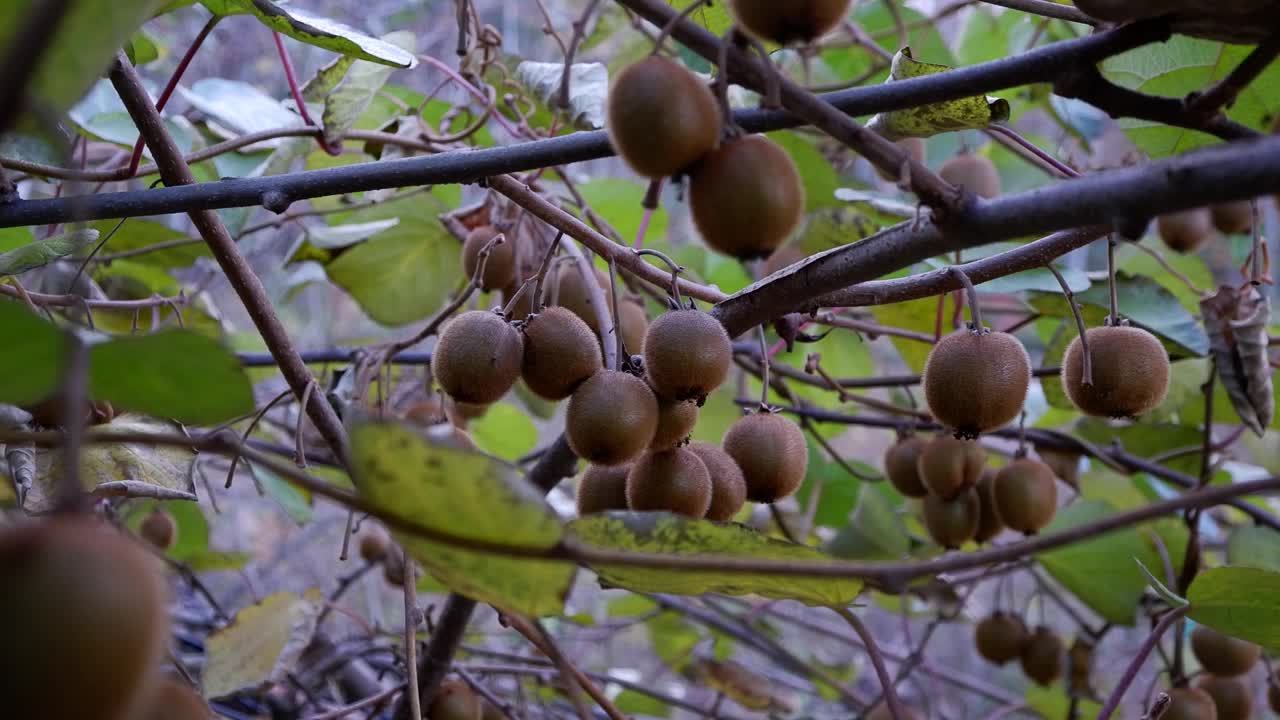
(1220, 694)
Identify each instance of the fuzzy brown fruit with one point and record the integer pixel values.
(374, 543)
(603, 488)
(746, 197)
(635, 325)
(84, 617)
(901, 465)
(788, 22)
(1130, 372)
(975, 383)
(159, 529)
(772, 454)
(612, 418)
(1190, 704)
(1231, 697)
(393, 568)
(676, 419)
(1233, 218)
(455, 700)
(1121, 10)
(947, 465)
(1026, 495)
(1001, 637)
(560, 353)
(478, 357)
(661, 117)
(573, 294)
(1186, 231)
(1222, 654)
(975, 173)
(460, 414)
(500, 268)
(686, 355)
(952, 523)
(728, 487)
(915, 147)
(674, 481)
(169, 699)
(989, 523)
(1042, 656)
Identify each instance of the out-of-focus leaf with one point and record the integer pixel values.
(336, 237)
(588, 88)
(34, 353)
(262, 644)
(1254, 546)
(505, 431)
(344, 105)
(240, 107)
(819, 177)
(875, 532)
(749, 689)
(137, 234)
(304, 26)
(142, 49)
(43, 252)
(295, 503)
(1238, 322)
(712, 16)
(1238, 601)
(928, 120)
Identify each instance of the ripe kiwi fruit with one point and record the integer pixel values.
(686, 355)
(976, 382)
(661, 117)
(159, 529)
(787, 22)
(560, 353)
(635, 325)
(603, 488)
(455, 700)
(915, 147)
(949, 465)
(989, 523)
(500, 268)
(1080, 666)
(393, 567)
(1122, 10)
(1232, 218)
(1026, 495)
(478, 357)
(1186, 231)
(771, 452)
(170, 699)
(84, 617)
(1222, 654)
(952, 523)
(901, 465)
(728, 487)
(1189, 704)
(612, 418)
(1231, 697)
(572, 294)
(746, 197)
(1130, 372)
(1041, 657)
(674, 481)
(676, 419)
(975, 173)
(374, 543)
(1001, 637)
(491, 712)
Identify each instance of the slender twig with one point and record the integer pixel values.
(1113, 701)
(410, 589)
(345, 710)
(74, 399)
(535, 633)
(1114, 317)
(579, 31)
(292, 78)
(1083, 332)
(877, 662)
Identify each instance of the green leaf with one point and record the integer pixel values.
(712, 16)
(137, 234)
(348, 101)
(588, 88)
(1240, 602)
(820, 179)
(929, 120)
(673, 638)
(676, 536)
(142, 49)
(920, 316)
(471, 496)
(1164, 592)
(636, 703)
(295, 502)
(191, 543)
(178, 374)
(43, 252)
(34, 352)
(312, 29)
(840, 490)
(240, 107)
(1254, 546)
(505, 431)
(619, 200)
(875, 532)
(262, 644)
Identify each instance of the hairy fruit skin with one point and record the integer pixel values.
(159, 529)
(455, 700)
(674, 481)
(989, 522)
(1186, 231)
(1130, 372)
(746, 197)
(634, 324)
(772, 454)
(375, 543)
(560, 353)
(687, 354)
(728, 487)
(1190, 704)
(1042, 656)
(975, 383)
(603, 488)
(788, 22)
(1222, 654)
(948, 466)
(478, 357)
(612, 418)
(900, 465)
(1026, 495)
(952, 523)
(975, 173)
(1001, 637)
(1233, 218)
(676, 419)
(500, 268)
(573, 295)
(1231, 697)
(661, 117)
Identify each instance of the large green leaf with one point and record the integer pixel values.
(875, 532)
(820, 179)
(43, 252)
(304, 26)
(1239, 601)
(32, 360)
(1255, 546)
(262, 644)
(505, 431)
(136, 234)
(674, 535)
(468, 495)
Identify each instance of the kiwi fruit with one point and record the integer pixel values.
(573, 295)
(374, 543)
(976, 382)
(1231, 697)
(603, 488)
(1186, 231)
(460, 414)
(159, 529)
(900, 464)
(1064, 463)
(975, 173)
(393, 567)
(661, 117)
(1189, 704)
(170, 699)
(1080, 666)
(989, 523)
(1122, 10)
(1232, 218)
(1001, 637)
(674, 481)
(915, 147)
(728, 487)
(478, 357)
(49, 412)
(1026, 495)
(84, 617)
(492, 712)
(788, 22)
(947, 466)
(560, 353)
(1130, 372)
(1041, 657)
(686, 355)
(676, 419)
(634, 325)
(455, 700)
(1222, 654)
(771, 452)
(746, 197)
(612, 418)
(952, 523)
(500, 268)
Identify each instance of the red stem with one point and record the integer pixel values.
(334, 149)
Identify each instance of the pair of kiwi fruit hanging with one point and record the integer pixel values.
(1130, 370)
(1001, 638)
(1188, 231)
(948, 470)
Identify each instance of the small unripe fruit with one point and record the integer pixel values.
(1233, 218)
(603, 488)
(1026, 495)
(455, 700)
(687, 354)
(1186, 231)
(1130, 372)
(952, 523)
(915, 147)
(560, 353)
(901, 466)
(948, 466)
(500, 268)
(1001, 637)
(612, 418)
(374, 544)
(787, 22)
(169, 699)
(478, 357)
(975, 173)
(1231, 697)
(159, 529)
(1190, 704)
(1222, 654)
(772, 454)
(728, 487)
(661, 117)
(1042, 656)
(635, 325)
(975, 383)
(674, 481)
(676, 419)
(746, 197)
(989, 523)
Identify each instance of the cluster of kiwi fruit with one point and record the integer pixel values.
(1220, 694)
(1003, 637)
(1190, 230)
